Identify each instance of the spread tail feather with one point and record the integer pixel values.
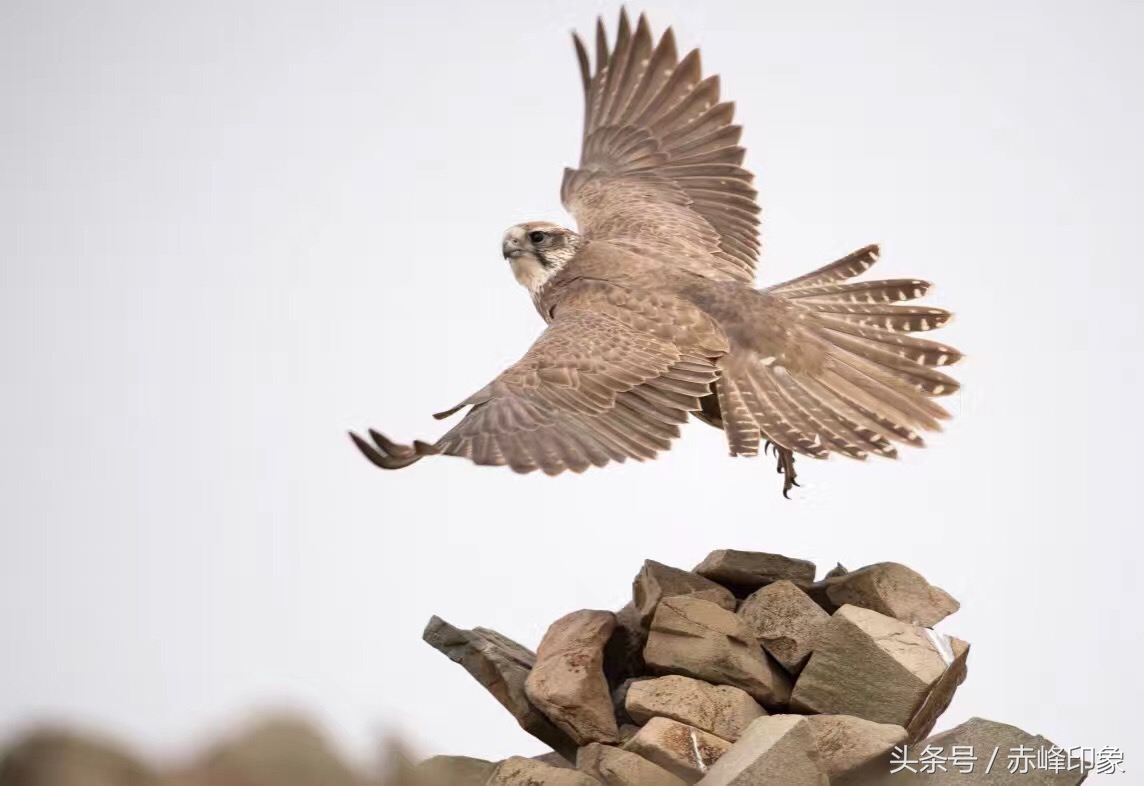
(846, 377)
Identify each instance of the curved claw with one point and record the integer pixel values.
(387, 454)
(784, 466)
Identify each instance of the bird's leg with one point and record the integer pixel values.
(387, 454)
(785, 466)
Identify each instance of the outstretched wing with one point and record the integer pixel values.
(592, 389)
(661, 170)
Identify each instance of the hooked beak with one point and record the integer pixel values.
(511, 248)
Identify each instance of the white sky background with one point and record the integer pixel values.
(229, 232)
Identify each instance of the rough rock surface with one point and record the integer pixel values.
(723, 710)
(698, 639)
(780, 749)
(519, 771)
(501, 666)
(941, 694)
(657, 581)
(785, 621)
(746, 571)
(986, 735)
(848, 744)
(567, 683)
(618, 767)
(868, 665)
(893, 590)
(682, 750)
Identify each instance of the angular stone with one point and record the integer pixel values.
(53, 757)
(894, 590)
(985, 735)
(452, 771)
(696, 638)
(723, 710)
(779, 749)
(519, 771)
(567, 683)
(941, 694)
(746, 571)
(848, 744)
(623, 654)
(657, 581)
(618, 767)
(870, 666)
(501, 666)
(684, 751)
(785, 621)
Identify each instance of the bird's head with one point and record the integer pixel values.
(537, 251)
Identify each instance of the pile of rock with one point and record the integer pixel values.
(743, 671)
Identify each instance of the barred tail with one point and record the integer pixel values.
(845, 376)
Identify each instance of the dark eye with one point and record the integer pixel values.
(536, 237)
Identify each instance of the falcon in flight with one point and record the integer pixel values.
(653, 313)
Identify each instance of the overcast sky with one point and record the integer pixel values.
(230, 231)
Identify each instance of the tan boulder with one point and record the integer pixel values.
(501, 666)
(657, 581)
(746, 571)
(848, 744)
(984, 736)
(519, 771)
(618, 767)
(52, 757)
(779, 750)
(684, 751)
(723, 710)
(870, 666)
(894, 590)
(697, 638)
(567, 683)
(276, 751)
(785, 621)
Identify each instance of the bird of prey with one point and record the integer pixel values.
(652, 311)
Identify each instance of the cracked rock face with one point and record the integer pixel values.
(723, 710)
(848, 744)
(785, 621)
(618, 767)
(698, 639)
(657, 582)
(893, 590)
(780, 749)
(684, 751)
(870, 666)
(567, 683)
